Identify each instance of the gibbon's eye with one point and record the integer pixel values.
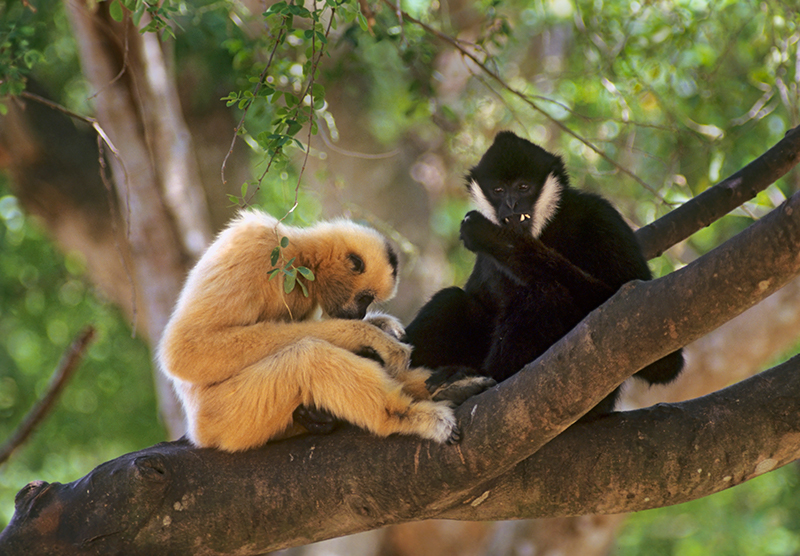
(497, 190)
(523, 187)
(357, 262)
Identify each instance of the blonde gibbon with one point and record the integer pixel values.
(243, 355)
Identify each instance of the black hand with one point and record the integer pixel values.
(316, 421)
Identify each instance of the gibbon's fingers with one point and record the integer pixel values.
(388, 323)
(257, 405)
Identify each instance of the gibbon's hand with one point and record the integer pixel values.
(456, 384)
(388, 323)
(480, 235)
(395, 355)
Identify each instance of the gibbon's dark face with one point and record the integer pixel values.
(517, 184)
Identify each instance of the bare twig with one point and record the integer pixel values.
(102, 138)
(527, 99)
(66, 368)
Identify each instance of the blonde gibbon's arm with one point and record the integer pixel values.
(243, 355)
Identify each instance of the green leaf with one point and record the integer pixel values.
(362, 22)
(289, 281)
(303, 287)
(284, 242)
(273, 258)
(115, 11)
(273, 273)
(276, 8)
(306, 273)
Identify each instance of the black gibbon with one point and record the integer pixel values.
(243, 355)
(547, 255)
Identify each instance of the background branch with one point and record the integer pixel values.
(66, 368)
(717, 201)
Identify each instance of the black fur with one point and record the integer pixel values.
(526, 292)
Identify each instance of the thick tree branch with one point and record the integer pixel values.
(310, 488)
(717, 201)
(292, 493)
(649, 458)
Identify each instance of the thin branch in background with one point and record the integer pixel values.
(459, 45)
(66, 368)
(102, 139)
(308, 92)
(101, 159)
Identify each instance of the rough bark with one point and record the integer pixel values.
(306, 489)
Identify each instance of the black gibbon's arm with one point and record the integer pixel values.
(525, 259)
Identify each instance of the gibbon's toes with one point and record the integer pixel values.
(455, 436)
(443, 427)
(389, 324)
(459, 391)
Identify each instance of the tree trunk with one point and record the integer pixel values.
(165, 219)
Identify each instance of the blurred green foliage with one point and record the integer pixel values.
(109, 406)
(757, 518)
(680, 92)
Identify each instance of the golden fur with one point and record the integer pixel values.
(243, 355)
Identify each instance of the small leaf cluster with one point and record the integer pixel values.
(17, 56)
(291, 274)
(161, 14)
(284, 97)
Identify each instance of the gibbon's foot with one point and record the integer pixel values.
(457, 384)
(388, 323)
(441, 425)
(459, 391)
(315, 421)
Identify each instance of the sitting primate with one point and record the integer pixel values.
(547, 255)
(243, 355)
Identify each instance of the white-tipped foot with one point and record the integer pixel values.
(437, 422)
